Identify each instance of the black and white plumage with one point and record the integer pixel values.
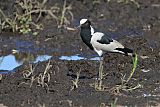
(99, 41)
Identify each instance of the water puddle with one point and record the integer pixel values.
(11, 61)
(27, 51)
(79, 57)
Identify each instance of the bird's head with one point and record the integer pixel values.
(84, 23)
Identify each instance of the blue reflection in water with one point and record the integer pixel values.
(74, 57)
(79, 57)
(9, 62)
(42, 58)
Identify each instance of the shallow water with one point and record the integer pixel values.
(79, 57)
(10, 62)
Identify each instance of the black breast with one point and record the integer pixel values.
(86, 36)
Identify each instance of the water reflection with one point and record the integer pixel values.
(79, 57)
(14, 60)
(17, 58)
(8, 62)
(24, 57)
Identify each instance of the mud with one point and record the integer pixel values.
(136, 28)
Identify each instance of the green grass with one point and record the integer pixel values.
(135, 62)
(125, 82)
(23, 20)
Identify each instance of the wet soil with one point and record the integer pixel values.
(136, 28)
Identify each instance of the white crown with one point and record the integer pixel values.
(82, 21)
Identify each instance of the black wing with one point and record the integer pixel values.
(105, 40)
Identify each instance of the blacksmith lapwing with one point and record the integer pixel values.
(100, 42)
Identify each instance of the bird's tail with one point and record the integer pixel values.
(126, 51)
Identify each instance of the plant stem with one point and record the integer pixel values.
(63, 13)
(135, 61)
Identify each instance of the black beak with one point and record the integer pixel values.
(77, 27)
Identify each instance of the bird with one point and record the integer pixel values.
(100, 42)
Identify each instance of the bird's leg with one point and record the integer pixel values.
(101, 68)
(100, 73)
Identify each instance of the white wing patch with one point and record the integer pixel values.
(98, 47)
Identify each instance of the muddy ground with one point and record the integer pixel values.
(135, 27)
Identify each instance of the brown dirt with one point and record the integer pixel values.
(136, 28)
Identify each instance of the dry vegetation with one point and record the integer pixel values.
(42, 79)
(23, 20)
